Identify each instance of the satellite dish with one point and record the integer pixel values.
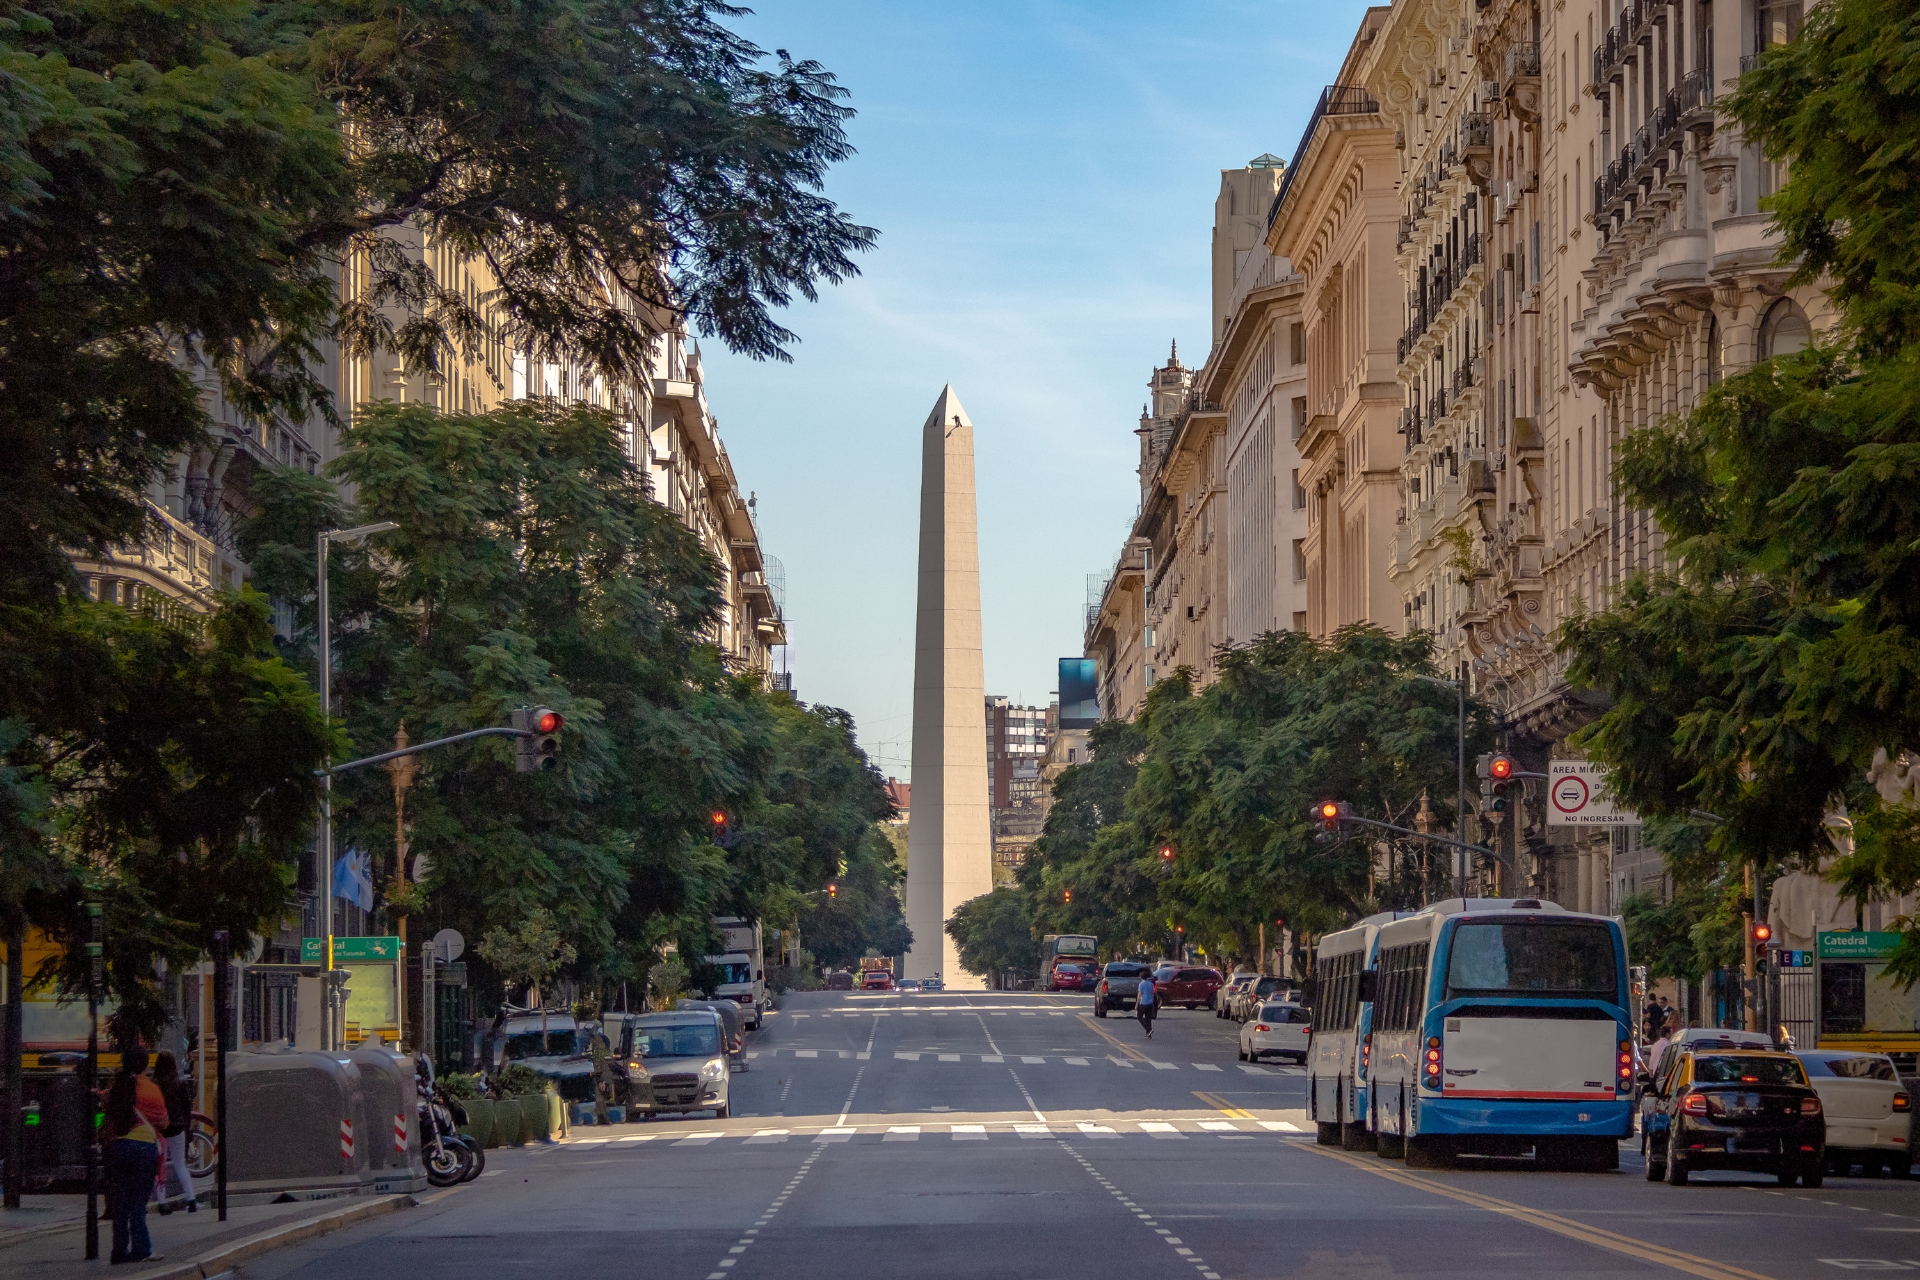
(420, 867)
(448, 946)
(259, 949)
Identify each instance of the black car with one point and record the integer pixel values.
(1741, 1110)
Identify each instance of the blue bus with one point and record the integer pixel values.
(1336, 1048)
(1493, 1027)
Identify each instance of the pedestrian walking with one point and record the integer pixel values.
(1145, 1005)
(136, 1112)
(173, 1138)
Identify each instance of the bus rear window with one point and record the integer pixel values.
(1543, 959)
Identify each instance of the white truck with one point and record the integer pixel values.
(743, 973)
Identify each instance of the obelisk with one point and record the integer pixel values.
(949, 840)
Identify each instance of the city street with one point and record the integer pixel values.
(987, 1134)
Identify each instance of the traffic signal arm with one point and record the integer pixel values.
(418, 747)
(1423, 835)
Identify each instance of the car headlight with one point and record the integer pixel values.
(715, 1068)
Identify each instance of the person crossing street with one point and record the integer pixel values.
(1145, 1005)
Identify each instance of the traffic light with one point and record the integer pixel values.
(1500, 769)
(833, 891)
(1166, 853)
(1762, 933)
(721, 829)
(538, 747)
(1067, 895)
(1331, 813)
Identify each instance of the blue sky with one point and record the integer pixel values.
(1042, 175)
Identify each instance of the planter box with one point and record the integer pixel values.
(480, 1121)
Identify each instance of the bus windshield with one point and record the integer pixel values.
(1543, 959)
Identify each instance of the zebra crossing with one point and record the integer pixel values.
(1027, 1059)
(1166, 1130)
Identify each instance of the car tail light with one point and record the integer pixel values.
(1809, 1106)
(1261, 1026)
(1902, 1101)
(1695, 1104)
(1625, 1065)
(1306, 1031)
(1433, 1062)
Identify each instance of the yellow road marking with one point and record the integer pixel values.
(1122, 1046)
(1221, 1105)
(1573, 1230)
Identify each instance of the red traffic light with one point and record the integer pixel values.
(833, 891)
(1762, 931)
(719, 818)
(549, 722)
(1500, 767)
(1068, 895)
(1329, 811)
(1166, 853)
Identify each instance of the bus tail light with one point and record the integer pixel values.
(1432, 1064)
(1366, 1052)
(1625, 1071)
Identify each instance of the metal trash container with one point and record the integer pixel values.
(393, 1142)
(299, 1126)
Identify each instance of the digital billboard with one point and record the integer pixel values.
(1079, 693)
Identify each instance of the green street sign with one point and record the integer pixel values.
(347, 949)
(1858, 944)
(314, 950)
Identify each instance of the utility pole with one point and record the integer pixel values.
(403, 769)
(222, 1023)
(90, 1087)
(15, 1155)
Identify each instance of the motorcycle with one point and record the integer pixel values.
(449, 1158)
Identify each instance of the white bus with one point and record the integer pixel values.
(1495, 1026)
(1336, 1072)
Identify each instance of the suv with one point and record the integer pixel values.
(1737, 1109)
(678, 1062)
(1247, 1001)
(1193, 988)
(1230, 991)
(556, 1047)
(1119, 984)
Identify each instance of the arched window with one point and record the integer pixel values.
(1785, 331)
(1716, 360)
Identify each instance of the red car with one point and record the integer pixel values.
(1070, 977)
(1194, 988)
(877, 980)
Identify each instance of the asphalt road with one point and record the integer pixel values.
(986, 1135)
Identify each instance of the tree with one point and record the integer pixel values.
(993, 935)
(531, 954)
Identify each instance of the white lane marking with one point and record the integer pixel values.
(848, 1104)
(767, 1135)
(949, 1057)
(1255, 1071)
(835, 1135)
(1160, 1129)
(1228, 1125)
(1096, 1130)
(806, 1053)
(1165, 1066)
(1121, 1062)
(696, 1140)
(1075, 1062)
(910, 1057)
(754, 1053)
(1205, 1066)
(1057, 1015)
(1281, 1126)
(638, 1137)
(1027, 1057)
(766, 1216)
(862, 1057)
(991, 1057)
(1031, 1130)
(969, 1133)
(1021, 1085)
(902, 1133)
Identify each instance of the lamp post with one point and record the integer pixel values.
(1459, 686)
(326, 539)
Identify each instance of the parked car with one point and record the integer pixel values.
(1194, 988)
(733, 1018)
(1069, 977)
(908, 984)
(1737, 1109)
(1869, 1112)
(1230, 991)
(1119, 984)
(1277, 1031)
(840, 980)
(932, 984)
(877, 980)
(678, 1062)
(1256, 993)
(557, 1050)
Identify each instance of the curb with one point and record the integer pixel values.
(225, 1260)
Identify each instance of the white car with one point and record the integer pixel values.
(1869, 1112)
(1276, 1031)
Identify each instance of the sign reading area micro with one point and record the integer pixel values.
(1577, 797)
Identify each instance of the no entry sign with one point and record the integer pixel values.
(1577, 797)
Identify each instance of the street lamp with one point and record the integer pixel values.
(326, 539)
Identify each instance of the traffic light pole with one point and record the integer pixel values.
(418, 747)
(1423, 835)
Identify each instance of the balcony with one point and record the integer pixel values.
(1523, 59)
(1335, 100)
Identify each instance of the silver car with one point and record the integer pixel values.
(1869, 1111)
(678, 1063)
(1276, 1031)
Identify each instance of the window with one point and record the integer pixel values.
(1299, 494)
(1297, 339)
(1545, 959)
(1865, 1067)
(1785, 331)
(1715, 356)
(1748, 1069)
(1299, 559)
(1300, 621)
(1338, 999)
(1299, 414)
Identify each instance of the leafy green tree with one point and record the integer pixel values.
(864, 916)
(993, 934)
(1070, 887)
(531, 954)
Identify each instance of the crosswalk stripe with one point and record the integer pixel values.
(1254, 1071)
(1075, 1062)
(991, 1057)
(1205, 1066)
(902, 1133)
(1164, 1066)
(1027, 1057)
(970, 1133)
(1161, 1129)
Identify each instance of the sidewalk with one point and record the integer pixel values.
(53, 1245)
